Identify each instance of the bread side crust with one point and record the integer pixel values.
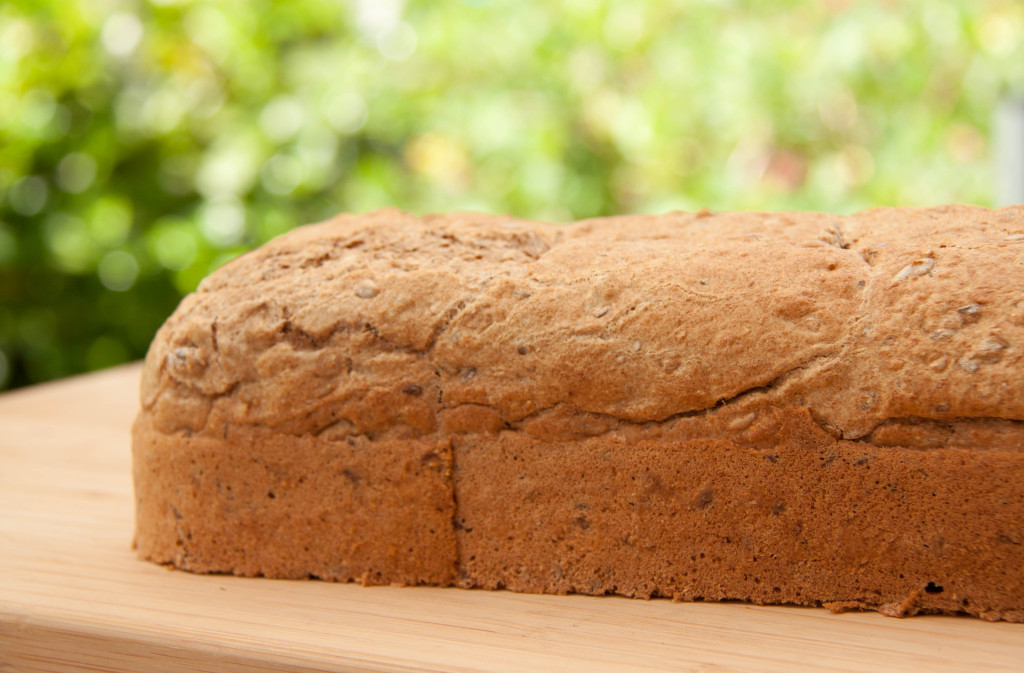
(800, 518)
(261, 504)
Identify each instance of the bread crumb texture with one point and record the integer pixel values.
(773, 407)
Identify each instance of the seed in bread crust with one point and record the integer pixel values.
(991, 349)
(366, 290)
(186, 361)
(969, 313)
(742, 422)
(918, 268)
(968, 365)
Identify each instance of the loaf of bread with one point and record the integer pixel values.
(775, 408)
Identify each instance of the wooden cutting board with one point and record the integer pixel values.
(73, 597)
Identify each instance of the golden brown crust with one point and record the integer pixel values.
(465, 335)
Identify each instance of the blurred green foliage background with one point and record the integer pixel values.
(143, 144)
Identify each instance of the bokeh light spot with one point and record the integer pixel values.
(118, 270)
(76, 172)
(228, 170)
(110, 220)
(222, 222)
(397, 43)
(374, 16)
(282, 118)
(281, 174)
(440, 157)
(162, 111)
(67, 238)
(624, 26)
(346, 113)
(38, 107)
(16, 38)
(173, 244)
(27, 195)
(121, 33)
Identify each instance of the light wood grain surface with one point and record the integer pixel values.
(74, 598)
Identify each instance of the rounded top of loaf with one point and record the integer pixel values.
(898, 323)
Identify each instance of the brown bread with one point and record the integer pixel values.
(772, 407)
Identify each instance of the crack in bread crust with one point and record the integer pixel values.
(605, 319)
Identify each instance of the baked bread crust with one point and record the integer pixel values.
(781, 408)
